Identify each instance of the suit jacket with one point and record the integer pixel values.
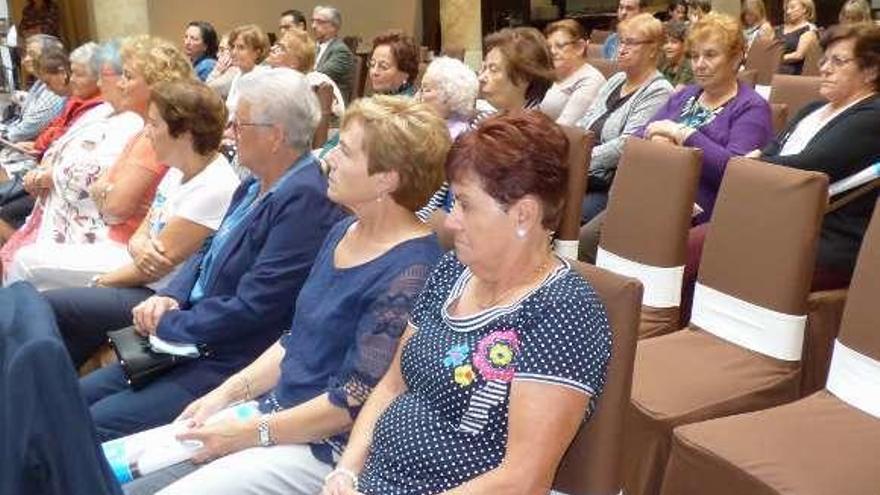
(250, 296)
(337, 62)
(47, 439)
(846, 145)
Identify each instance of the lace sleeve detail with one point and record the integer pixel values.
(378, 332)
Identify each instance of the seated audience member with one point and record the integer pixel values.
(719, 115)
(697, 9)
(754, 20)
(624, 104)
(451, 88)
(185, 123)
(220, 79)
(517, 69)
(677, 11)
(292, 19)
(118, 199)
(350, 314)
(236, 295)
(839, 138)
(503, 325)
(248, 46)
(334, 57)
(394, 64)
(39, 105)
(79, 77)
(296, 50)
(577, 82)
(200, 45)
(855, 12)
(797, 34)
(625, 10)
(676, 65)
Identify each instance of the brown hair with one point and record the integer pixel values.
(253, 37)
(756, 6)
(527, 57)
(190, 106)
(867, 45)
(514, 154)
(404, 50)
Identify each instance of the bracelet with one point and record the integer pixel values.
(348, 473)
(247, 386)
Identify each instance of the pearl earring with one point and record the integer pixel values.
(521, 233)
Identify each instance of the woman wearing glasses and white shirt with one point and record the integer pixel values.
(838, 136)
(577, 81)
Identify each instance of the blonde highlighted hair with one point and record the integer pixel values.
(403, 136)
(156, 59)
(302, 46)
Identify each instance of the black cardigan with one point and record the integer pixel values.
(847, 144)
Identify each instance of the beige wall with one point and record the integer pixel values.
(364, 18)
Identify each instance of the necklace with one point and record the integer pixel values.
(537, 274)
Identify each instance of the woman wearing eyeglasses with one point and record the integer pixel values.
(838, 136)
(394, 64)
(577, 81)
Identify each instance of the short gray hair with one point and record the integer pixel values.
(332, 13)
(283, 96)
(109, 56)
(87, 55)
(458, 84)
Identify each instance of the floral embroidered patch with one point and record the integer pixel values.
(495, 355)
(456, 355)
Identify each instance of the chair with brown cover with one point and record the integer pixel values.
(646, 225)
(324, 92)
(358, 78)
(741, 350)
(764, 57)
(607, 67)
(779, 116)
(594, 50)
(795, 91)
(598, 36)
(592, 464)
(811, 59)
(580, 145)
(827, 443)
(748, 76)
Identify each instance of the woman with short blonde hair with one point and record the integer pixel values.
(798, 34)
(248, 47)
(855, 12)
(754, 20)
(297, 50)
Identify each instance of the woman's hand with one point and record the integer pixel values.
(672, 131)
(221, 438)
(753, 154)
(38, 182)
(147, 314)
(199, 410)
(152, 261)
(339, 484)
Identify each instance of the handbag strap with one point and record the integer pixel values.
(852, 196)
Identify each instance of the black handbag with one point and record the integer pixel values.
(140, 362)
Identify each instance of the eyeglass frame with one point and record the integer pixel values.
(835, 61)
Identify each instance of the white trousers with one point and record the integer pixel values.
(281, 470)
(48, 265)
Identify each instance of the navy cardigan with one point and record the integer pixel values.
(250, 296)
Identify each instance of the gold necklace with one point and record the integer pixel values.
(536, 275)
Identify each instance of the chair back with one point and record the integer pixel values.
(811, 60)
(594, 50)
(779, 116)
(580, 145)
(748, 76)
(644, 236)
(758, 258)
(358, 78)
(764, 57)
(324, 92)
(592, 464)
(607, 67)
(598, 36)
(795, 91)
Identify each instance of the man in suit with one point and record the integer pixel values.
(334, 58)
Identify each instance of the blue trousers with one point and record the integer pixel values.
(117, 410)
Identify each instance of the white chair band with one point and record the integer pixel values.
(566, 249)
(662, 285)
(855, 379)
(748, 325)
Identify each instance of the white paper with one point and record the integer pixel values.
(159, 345)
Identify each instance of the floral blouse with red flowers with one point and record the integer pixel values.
(451, 423)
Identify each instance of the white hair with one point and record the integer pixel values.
(88, 55)
(283, 96)
(332, 13)
(456, 82)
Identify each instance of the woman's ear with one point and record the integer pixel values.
(527, 213)
(388, 181)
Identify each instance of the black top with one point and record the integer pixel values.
(790, 42)
(847, 144)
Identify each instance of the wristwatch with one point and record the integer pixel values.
(264, 436)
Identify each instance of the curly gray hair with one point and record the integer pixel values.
(456, 82)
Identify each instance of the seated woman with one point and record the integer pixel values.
(697, 9)
(350, 313)
(296, 50)
(200, 45)
(838, 137)
(236, 294)
(624, 104)
(719, 115)
(502, 328)
(394, 64)
(676, 65)
(118, 198)
(797, 34)
(185, 123)
(248, 46)
(677, 11)
(855, 12)
(80, 80)
(577, 82)
(754, 20)
(220, 79)
(451, 88)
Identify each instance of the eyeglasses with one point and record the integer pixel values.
(236, 125)
(634, 42)
(835, 61)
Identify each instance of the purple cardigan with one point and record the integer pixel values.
(744, 125)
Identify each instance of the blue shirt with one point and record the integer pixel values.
(612, 44)
(204, 66)
(344, 333)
